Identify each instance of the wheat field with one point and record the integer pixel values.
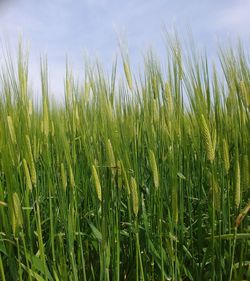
(139, 177)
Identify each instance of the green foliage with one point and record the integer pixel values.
(140, 179)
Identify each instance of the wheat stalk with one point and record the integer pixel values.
(245, 171)
(31, 161)
(63, 177)
(154, 168)
(170, 104)
(175, 204)
(128, 75)
(207, 139)
(226, 156)
(237, 184)
(214, 187)
(110, 155)
(97, 183)
(71, 177)
(125, 178)
(11, 129)
(45, 119)
(17, 216)
(27, 175)
(245, 93)
(134, 196)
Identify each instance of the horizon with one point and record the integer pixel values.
(92, 29)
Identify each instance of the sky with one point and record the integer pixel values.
(93, 28)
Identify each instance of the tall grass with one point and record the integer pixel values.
(141, 179)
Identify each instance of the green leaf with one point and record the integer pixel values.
(181, 176)
(37, 263)
(96, 233)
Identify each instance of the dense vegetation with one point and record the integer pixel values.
(141, 178)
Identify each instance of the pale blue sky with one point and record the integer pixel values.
(60, 27)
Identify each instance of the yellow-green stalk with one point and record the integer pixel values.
(11, 129)
(237, 184)
(154, 168)
(63, 177)
(226, 156)
(134, 193)
(27, 175)
(207, 139)
(97, 183)
(17, 216)
(128, 75)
